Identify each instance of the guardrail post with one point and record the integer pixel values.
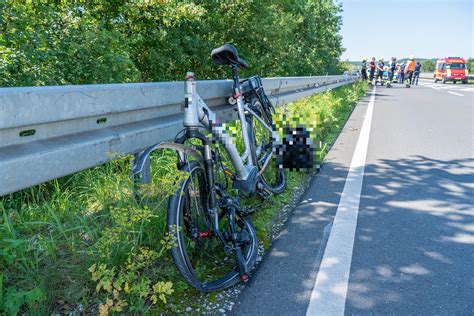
(144, 176)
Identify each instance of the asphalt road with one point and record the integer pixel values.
(412, 248)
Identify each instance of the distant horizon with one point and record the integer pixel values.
(366, 33)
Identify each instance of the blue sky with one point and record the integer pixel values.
(424, 28)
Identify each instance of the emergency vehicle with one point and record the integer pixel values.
(451, 69)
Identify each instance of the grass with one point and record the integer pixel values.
(84, 243)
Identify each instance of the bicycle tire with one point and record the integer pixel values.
(180, 232)
(278, 184)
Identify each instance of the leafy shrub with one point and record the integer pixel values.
(428, 66)
(77, 42)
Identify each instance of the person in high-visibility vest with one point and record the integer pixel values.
(392, 67)
(409, 69)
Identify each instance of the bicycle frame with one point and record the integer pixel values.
(198, 115)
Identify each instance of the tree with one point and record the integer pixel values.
(470, 65)
(428, 65)
(78, 42)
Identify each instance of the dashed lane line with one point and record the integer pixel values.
(459, 94)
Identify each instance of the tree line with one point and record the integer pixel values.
(83, 42)
(429, 65)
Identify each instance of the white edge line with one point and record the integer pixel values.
(330, 289)
(461, 95)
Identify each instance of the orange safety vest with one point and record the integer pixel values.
(410, 66)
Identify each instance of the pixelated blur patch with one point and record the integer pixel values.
(296, 151)
(296, 142)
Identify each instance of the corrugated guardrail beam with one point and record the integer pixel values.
(50, 132)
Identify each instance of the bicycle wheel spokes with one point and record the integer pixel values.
(204, 251)
(271, 175)
(200, 255)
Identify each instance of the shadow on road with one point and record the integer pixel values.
(414, 245)
(413, 250)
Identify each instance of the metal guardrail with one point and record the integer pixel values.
(50, 132)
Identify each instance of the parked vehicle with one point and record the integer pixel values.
(451, 69)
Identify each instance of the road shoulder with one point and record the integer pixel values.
(284, 280)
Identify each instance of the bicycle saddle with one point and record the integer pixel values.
(227, 55)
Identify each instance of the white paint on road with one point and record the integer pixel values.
(454, 88)
(449, 86)
(330, 290)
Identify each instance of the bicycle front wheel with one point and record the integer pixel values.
(200, 256)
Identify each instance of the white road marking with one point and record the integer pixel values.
(330, 289)
(455, 88)
(444, 86)
(430, 86)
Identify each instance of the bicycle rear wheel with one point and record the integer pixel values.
(272, 177)
(198, 253)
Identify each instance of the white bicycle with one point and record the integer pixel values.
(216, 244)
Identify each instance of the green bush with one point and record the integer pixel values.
(470, 65)
(428, 66)
(77, 42)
